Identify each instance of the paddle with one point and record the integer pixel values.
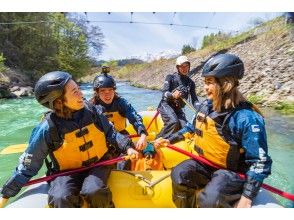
(19, 148)
(189, 105)
(3, 201)
(12, 149)
(242, 176)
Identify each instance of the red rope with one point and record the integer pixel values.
(73, 171)
(203, 160)
(156, 114)
(138, 135)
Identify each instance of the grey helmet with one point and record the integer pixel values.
(104, 81)
(223, 65)
(50, 87)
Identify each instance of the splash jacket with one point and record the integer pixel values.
(181, 83)
(119, 111)
(70, 143)
(234, 139)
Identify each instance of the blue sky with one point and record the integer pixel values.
(125, 40)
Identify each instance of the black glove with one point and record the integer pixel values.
(183, 90)
(11, 188)
(251, 188)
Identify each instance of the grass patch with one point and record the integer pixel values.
(126, 71)
(285, 107)
(255, 99)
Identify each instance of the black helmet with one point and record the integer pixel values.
(223, 65)
(103, 81)
(50, 86)
(105, 69)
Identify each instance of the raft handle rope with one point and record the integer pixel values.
(272, 189)
(3, 201)
(141, 177)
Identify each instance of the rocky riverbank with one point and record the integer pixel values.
(14, 84)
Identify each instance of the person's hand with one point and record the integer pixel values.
(243, 203)
(142, 142)
(176, 94)
(134, 155)
(160, 142)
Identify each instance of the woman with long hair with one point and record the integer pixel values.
(73, 134)
(228, 131)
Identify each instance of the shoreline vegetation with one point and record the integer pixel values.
(267, 51)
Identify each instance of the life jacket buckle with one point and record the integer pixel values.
(90, 161)
(86, 146)
(198, 132)
(83, 131)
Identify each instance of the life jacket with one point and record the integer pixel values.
(214, 141)
(119, 122)
(75, 145)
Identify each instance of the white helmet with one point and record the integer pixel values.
(181, 60)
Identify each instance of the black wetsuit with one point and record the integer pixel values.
(171, 109)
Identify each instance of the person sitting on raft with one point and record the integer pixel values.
(117, 110)
(74, 134)
(228, 131)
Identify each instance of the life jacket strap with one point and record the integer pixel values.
(198, 150)
(90, 161)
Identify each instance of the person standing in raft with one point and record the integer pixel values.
(117, 110)
(74, 134)
(176, 87)
(229, 132)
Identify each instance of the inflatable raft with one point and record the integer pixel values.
(138, 189)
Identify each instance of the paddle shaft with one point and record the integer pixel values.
(242, 176)
(189, 105)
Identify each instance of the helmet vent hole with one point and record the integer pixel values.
(55, 82)
(213, 67)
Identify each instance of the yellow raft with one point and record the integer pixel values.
(138, 189)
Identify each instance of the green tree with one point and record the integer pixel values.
(37, 43)
(214, 38)
(187, 49)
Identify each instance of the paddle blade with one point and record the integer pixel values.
(12, 149)
(3, 202)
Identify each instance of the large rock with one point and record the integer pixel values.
(5, 93)
(22, 91)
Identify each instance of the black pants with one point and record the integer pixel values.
(173, 118)
(66, 191)
(221, 188)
